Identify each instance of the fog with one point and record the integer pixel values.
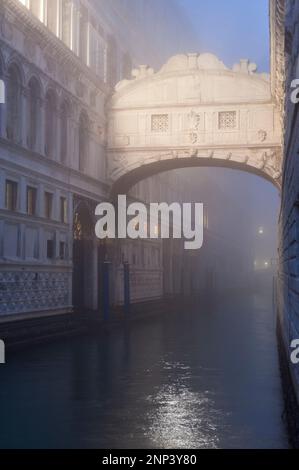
(239, 251)
(242, 208)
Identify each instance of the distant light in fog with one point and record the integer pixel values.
(261, 264)
(261, 231)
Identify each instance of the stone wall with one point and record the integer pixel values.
(287, 13)
(34, 291)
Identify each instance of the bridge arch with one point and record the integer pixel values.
(193, 112)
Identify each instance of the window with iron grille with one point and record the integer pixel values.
(227, 120)
(160, 123)
(48, 205)
(31, 200)
(11, 195)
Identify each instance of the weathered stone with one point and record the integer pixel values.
(195, 101)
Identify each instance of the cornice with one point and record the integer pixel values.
(50, 44)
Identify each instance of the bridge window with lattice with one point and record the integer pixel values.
(227, 120)
(160, 122)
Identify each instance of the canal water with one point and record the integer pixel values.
(206, 377)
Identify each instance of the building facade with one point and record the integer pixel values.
(59, 60)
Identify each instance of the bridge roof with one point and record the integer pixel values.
(193, 79)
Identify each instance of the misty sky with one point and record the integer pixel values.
(232, 29)
(235, 29)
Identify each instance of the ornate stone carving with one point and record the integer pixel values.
(142, 72)
(194, 125)
(262, 135)
(261, 160)
(273, 160)
(194, 120)
(197, 116)
(277, 20)
(193, 137)
(27, 291)
(245, 66)
(119, 160)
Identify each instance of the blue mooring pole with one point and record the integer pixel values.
(106, 290)
(127, 295)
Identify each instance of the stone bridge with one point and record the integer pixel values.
(193, 112)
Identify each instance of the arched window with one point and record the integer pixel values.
(64, 125)
(33, 119)
(83, 141)
(13, 104)
(50, 123)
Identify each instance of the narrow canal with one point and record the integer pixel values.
(205, 378)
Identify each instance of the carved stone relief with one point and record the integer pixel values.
(262, 135)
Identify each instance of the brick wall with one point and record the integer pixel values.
(288, 279)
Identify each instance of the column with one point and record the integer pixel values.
(74, 151)
(40, 200)
(23, 195)
(57, 244)
(41, 245)
(2, 189)
(56, 132)
(40, 146)
(24, 118)
(57, 145)
(56, 205)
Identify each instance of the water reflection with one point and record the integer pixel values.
(181, 419)
(206, 378)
